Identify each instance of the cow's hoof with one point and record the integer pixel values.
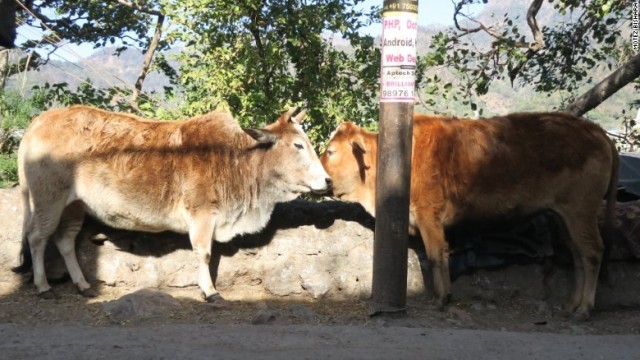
(214, 298)
(48, 295)
(88, 293)
(580, 315)
(570, 309)
(441, 303)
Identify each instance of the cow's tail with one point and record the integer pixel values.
(609, 213)
(26, 262)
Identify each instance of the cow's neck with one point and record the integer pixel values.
(271, 189)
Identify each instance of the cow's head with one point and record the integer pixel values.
(349, 159)
(290, 160)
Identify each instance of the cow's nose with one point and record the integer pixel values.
(329, 182)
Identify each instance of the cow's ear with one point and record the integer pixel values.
(298, 118)
(264, 137)
(288, 116)
(358, 144)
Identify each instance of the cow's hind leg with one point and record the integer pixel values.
(65, 236)
(201, 236)
(587, 249)
(432, 233)
(44, 222)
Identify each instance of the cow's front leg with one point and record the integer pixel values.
(201, 236)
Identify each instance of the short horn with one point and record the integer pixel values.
(298, 118)
(289, 113)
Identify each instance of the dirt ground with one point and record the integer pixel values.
(470, 328)
(508, 312)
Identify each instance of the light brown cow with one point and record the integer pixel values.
(204, 176)
(490, 168)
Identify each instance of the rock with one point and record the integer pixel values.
(266, 316)
(282, 277)
(302, 312)
(457, 313)
(578, 330)
(315, 279)
(141, 304)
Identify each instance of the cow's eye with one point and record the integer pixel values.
(330, 152)
(298, 146)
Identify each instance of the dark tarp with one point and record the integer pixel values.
(630, 173)
(540, 236)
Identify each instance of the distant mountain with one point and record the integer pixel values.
(103, 68)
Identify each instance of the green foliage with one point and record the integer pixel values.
(260, 58)
(8, 170)
(16, 113)
(59, 94)
(582, 39)
(253, 57)
(112, 99)
(101, 23)
(628, 138)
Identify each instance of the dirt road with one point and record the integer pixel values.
(303, 342)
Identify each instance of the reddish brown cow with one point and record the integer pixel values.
(490, 168)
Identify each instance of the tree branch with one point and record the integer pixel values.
(534, 46)
(138, 7)
(538, 39)
(254, 28)
(607, 87)
(148, 58)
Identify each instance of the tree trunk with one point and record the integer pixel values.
(7, 23)
(148, 58)
(607, 87)
(4, 67)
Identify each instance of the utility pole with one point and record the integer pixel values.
(397, 87)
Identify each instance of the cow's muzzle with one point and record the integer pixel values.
(327, 189)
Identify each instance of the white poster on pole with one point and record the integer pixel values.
(399, 34)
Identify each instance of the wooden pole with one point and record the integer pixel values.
(397, 87)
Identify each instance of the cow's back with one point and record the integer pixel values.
(509, 164)
(130, 171)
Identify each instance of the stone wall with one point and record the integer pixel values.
(308, 250)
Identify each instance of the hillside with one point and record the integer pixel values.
(103, 68)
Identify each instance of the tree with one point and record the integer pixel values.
(579, 41)
(252, 56)
(257, 57)
(7, 23)
(100, 23)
